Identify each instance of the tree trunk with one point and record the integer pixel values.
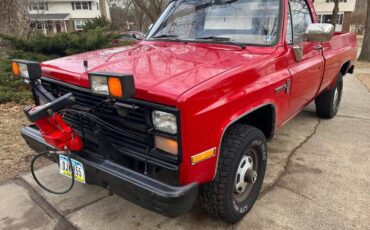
(13, 15)
(8, 15)
(334, 17)
(365, 53)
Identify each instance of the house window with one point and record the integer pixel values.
(81, 5)
(39, 6)
(319, 18)
(79, 24)
(39, 25)
(327, 1)
(326, 18)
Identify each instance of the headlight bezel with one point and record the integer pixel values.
(127, 84)
(175, 137)
(31, 69)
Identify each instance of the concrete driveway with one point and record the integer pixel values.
(318, 178)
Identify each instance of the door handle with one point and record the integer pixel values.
(318, 47)
(285, 87)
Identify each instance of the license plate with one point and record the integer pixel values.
(65, 169)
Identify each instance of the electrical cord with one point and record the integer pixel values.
(43, 186)
(81, 114)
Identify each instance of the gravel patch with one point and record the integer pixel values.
(15, 155)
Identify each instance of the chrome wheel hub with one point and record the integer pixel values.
(245, 174)
(336, 98)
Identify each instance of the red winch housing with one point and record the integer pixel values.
(58, 133)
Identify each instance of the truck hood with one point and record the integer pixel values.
(162, 71)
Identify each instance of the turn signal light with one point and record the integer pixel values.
(115, 87)
(203, 156)
(15, 69)
(166, 144)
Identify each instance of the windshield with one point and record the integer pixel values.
(238, 21)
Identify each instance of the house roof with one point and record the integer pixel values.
(49, 17)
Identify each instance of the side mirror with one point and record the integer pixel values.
(320, 32)
(317, 32)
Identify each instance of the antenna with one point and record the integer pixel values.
(86, 64)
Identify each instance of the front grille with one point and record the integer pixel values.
(133, 147)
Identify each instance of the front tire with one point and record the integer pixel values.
(327, 104)
(241, 170)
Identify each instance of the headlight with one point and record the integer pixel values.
(112, 85)
(28, 70)
(23, 71)
(165, 122)
(99, 85)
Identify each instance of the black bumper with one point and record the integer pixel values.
(142, 190)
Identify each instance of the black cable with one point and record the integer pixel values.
(99, 104)
(44, 187)
(80, 113)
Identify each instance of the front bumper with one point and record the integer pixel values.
(142, 190)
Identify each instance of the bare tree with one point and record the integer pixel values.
(152, 9)
(120, 12)
(334, 18)
(365, 53)
(141, 19)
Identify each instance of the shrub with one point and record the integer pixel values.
(99, 22)
(12, 90)
(41, 48)
(63, 44)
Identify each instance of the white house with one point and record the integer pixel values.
(55, 16)
(324, 9)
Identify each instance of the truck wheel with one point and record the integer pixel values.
(327, 104)
(240, 173)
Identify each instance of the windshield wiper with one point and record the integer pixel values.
(221, 39)
(175, 37)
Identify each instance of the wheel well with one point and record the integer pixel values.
(345, 68)
(262, 118)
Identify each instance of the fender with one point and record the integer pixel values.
(233, 121)
(350, 65)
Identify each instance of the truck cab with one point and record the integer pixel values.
(211, 83)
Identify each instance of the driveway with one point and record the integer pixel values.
(318, 178)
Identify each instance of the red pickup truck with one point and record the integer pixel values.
(186, 113)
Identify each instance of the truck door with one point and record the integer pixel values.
(306, 73)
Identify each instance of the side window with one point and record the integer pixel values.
(301, 17)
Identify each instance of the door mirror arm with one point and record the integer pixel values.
(298, 48)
